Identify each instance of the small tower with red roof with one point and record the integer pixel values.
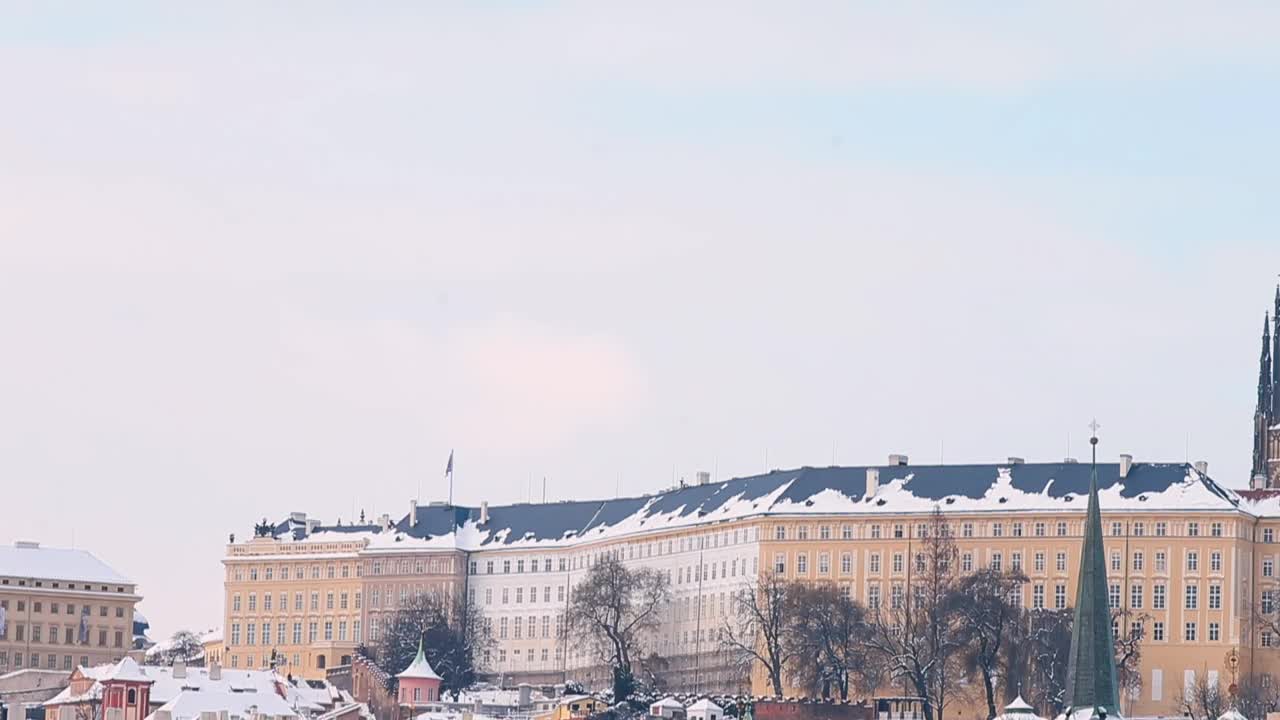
(126, 692)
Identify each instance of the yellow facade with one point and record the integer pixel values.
(298, 602)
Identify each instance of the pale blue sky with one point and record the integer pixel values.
(260, 259)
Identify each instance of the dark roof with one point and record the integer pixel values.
(556, 521)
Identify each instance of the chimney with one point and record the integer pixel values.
(385, 521)
(413, 513)
(484, 511)
(704, 477)
(873, 482)
(298, 517)
(215, 671)
(1126, 464)
(897, 459)
(179, 669)
(312, 523)
(1259, 482)
(1015, 460)
(1202, 467)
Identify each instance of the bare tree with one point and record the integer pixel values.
(1130, 631)
(983, 603)
(613, 610)
(755, 629)
(185, 647)
(1048, 641)
(827, 635)
(449, 630)
(1201, 699)
(1256, 697)
(917, 636)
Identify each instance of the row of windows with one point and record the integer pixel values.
(22, 582)
(71, 635)
(332, 601)
(38, 608)
(506, 594)
(32, 660)
(331, 571)
(342, 630)
(632, 551)
(1016, 528)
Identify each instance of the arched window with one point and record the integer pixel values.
(133, 696)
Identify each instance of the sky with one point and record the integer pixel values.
(268, 257)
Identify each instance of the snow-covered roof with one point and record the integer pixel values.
(1018, 710)
(31, 560)
(901, 489)
(189, 704)
(669, 702)
(166, 687)
(419, 669)
(126, 670)
(1232, 714)
(705, 705)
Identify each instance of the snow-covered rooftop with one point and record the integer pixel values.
(901, 489)
(31, 560)
(188, 705)
(166, 687)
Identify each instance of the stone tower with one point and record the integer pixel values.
(1266, 416)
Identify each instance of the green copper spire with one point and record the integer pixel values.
(1091, 666)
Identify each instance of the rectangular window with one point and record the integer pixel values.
(1162, 564)
(966, 562)
(824, 563)
(1268, 535)
(1192, 597)
(846, 563)
(802, 563)
(1138, 561)
(846, 533)
(1061, 562)
(897, 562)
(1215, 562)
(824, 532)
(1037, 597)
(1158, 596)
(1039, 529)
(780, 563)
(1115, 561)
(1139, 529)
(1135, 596)
(1268, 568)
(1193, 561)
(874, 562)
(1215, 632)
(1113, 596)
(1215, 530)
(1062, 529)
(1059, 597)
(997, 562)
(1215, 597)
(1017, 529)
(1189, 632)
(1117, 528)
(1162, 528)
(1039, 562)
(1193, 529)
(966, 530)
(997, 529)
(1015, 561)
(1157, 631)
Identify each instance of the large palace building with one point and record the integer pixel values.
(1195, 559)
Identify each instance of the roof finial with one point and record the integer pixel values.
(1093, 439)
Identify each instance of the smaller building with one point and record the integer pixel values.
(704, 709)
(418, 686)
(574, 706)
(1020, 710)
(230, 705)
(667, 707)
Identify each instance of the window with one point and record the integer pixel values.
(824, 564)
(1037, 597)
(235, 603)
(802, 563)
(1015, 561)
(1268, 535)
(1017, 529)
(1215, 597)
(1137, 561)
(1117, 528)
(997, 562)
(824, 532)
(846, 563)
(1215, 561)
(1115, 561)
(1162, 564)
(1039, 562)
(1268, 601)
(966, 530)
(780, 563)
(997, 529)
(1268, 640)
(1157, 631)
(897, 562)
(1215, 530)
(895, 597)
(1158, 592)
(1139, 529)
(779, 533)
(1189, 632)
(897, 530)
(1215, 632)
(966, 562)
(1192, 597)
(1193, 561)
(1062, 529)
(1113, 596)
(846, 533)
(1162, 528)
(1039, 529)
(873, 595)
(875, 532)
(874, 562)
(1135, 596)
(1059, 596)
(1193, 529)
(1061, 562)
(1268, 567)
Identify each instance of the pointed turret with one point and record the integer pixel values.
(1274, 416)
(1091, 664)
(1266, 383)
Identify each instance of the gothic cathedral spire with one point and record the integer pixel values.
(1275, 366)
(1091, 664)
(1262, 417)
